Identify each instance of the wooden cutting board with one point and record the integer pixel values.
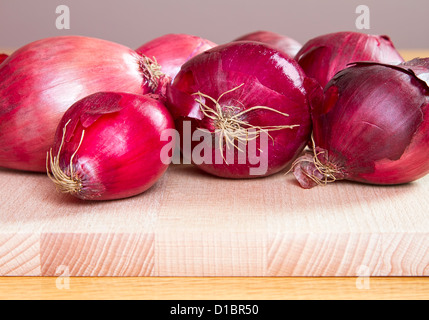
(193, 224)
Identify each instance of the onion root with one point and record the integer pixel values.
(65, 183)
(313, 168)
(229, 125)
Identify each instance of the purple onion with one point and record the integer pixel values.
(372, 127)
(322, 57)
(233, 89)
(170, 51)
(280, 42)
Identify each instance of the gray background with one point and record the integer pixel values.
(133, 22)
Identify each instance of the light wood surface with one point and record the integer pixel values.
(193, 224)
(7, 50)
(411, 54)
(202, 225)
(217, 288)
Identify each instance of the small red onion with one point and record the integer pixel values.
(322, 57)
(40, 81)
(108, 146)
(372, 127)
(3, 57)
(171, 51)
(280, 42)
(234, 95)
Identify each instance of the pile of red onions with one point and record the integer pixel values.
(372, 127)
(166, 54)
(40, 81)
(244, 109)
(322, 57)
(228, 97)
(280, 42)
(108, 146)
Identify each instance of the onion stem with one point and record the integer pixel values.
(151, 71)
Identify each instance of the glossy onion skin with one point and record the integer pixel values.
(171, 51)
(374, 123)
(280, 42)
(120, 152)
(322, 57)
(40, 81)
(270, 79)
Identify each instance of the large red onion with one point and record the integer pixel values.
(108, 146)
(40, 81)
(280, 42)
(322, 57)
(236, 94)
(171, 51)
(373, 126)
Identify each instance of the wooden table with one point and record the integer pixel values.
(259, 288)
(213, 280)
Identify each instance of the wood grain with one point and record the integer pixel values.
(193, 224)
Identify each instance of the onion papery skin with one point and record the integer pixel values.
(281, 42)
(172, 50)
(40, 81)
(256, 75)
(373, 126)
(116, 139)
(322, 57)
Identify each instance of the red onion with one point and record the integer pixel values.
(236, 95)
(40, 81)
(280, 42)
(323, 56)
(372, 127)
(108, 146)
(3, 57)
(171, 51)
